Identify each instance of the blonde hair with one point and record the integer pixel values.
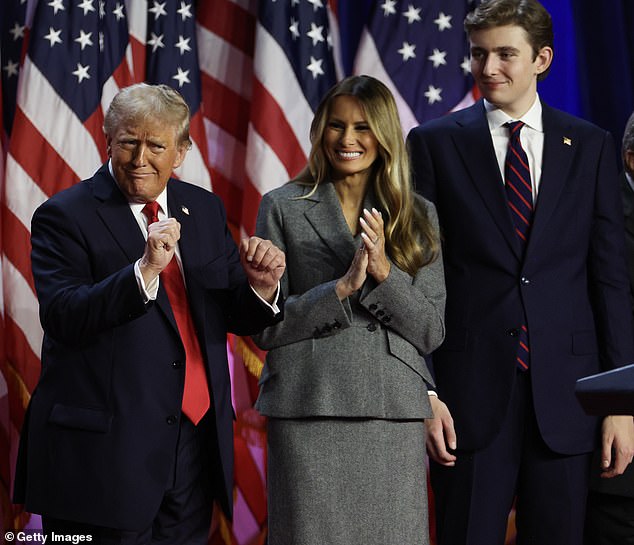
(410, 239)
(141, 101)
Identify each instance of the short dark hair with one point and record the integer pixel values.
(527, 14)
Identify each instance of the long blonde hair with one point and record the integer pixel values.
(410, 239)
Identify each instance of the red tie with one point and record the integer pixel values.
(517, 179)
(196, 394)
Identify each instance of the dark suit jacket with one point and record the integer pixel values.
(571, 286)
(622, 485)
(100, 434)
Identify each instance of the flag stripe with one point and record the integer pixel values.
(231, 24)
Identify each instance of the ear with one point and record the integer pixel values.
(181, 152)
(109, 145)
(628, 160)
(543, 60)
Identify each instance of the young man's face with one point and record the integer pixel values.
(504, 69)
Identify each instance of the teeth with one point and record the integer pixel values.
(349, 154)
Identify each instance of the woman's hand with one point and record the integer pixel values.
(355, 275)
(374, 241)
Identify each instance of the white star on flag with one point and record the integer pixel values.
(81, 72)
(84, 39)
(53, 36)
(316, 33)
(182, 76)
(158, 10)
(438, 57)
(17, 31)
(11, 68)
(388, 7)
(185, 11)
(407, 51)
(57, 6)
(87, 6)
(316, 4)
(118, 12)
(315, 67)
(433, 94)
(412, 14)
(443, 21)
(183, 44)
(156, 42)
(294, 28)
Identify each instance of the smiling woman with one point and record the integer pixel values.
(349, 143)
(345, 380)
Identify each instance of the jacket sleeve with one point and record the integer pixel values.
(414, 308)
(317, 312)
(74, 303)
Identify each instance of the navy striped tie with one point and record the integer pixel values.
(517, 180)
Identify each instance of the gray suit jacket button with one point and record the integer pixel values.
(371, 326)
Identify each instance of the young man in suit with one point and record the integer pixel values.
(128, 436)
(610, 516)
(537, 293)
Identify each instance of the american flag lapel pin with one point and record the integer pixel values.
(185, 210)
(567, 141)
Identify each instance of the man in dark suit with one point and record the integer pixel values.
(128, 435)
(537, 293)
(610, 516)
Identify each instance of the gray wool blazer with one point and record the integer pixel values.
(360, 357)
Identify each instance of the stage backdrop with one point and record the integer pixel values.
(252, 72)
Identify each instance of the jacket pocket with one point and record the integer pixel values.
(82, 418)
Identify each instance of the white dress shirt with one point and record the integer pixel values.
(150, 292)
(531, 137)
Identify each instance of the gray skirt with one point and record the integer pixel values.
(347, 481)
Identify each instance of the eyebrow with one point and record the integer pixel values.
(500, 49)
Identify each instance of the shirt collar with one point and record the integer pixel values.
(496, 118)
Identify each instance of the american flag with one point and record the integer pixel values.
(419, 50)
(252, 72)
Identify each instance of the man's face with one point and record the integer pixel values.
(504, 69)
(144, 153)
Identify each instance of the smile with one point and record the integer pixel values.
(349, 154)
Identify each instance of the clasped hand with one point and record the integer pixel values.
(263, 262)
(369, 259)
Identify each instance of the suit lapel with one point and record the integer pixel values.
(560, 142)
(327, 219)
(116, 215)
(475, 147)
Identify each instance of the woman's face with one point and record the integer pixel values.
(349, 143)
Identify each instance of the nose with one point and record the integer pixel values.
(489, 65)
(347, 137)
(139, 155)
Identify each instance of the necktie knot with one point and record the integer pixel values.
(514, 128)
(151, 212)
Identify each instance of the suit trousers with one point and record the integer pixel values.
(185, 512)
(610, 519)
(474, 498)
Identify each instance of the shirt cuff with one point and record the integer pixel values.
(149, 292)
(273, 306)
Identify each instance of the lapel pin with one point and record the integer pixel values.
(185, 210)
(567, 141)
